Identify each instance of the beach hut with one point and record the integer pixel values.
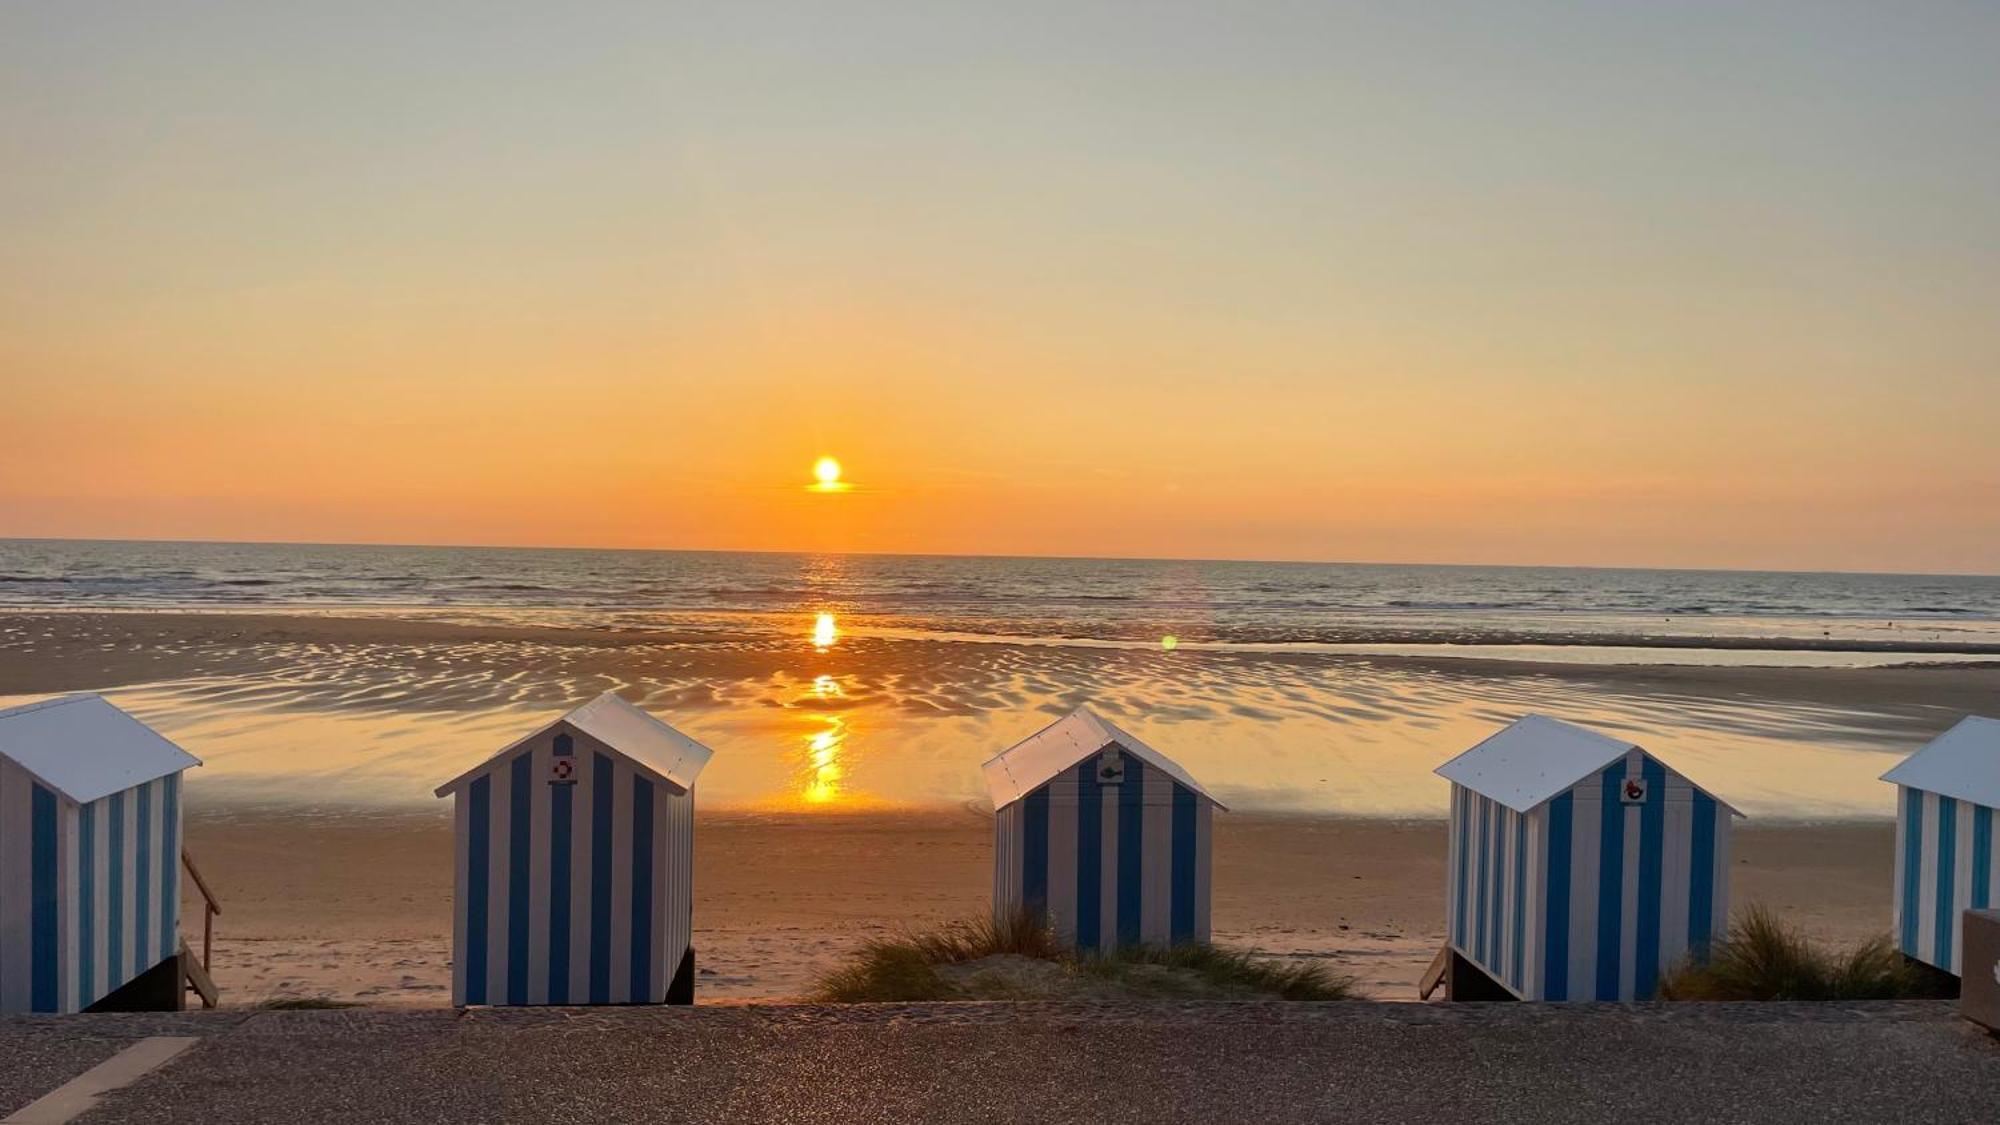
(90, 838)
(1945, 859)
(1103, 835)
(575, 864)
(1580, 867)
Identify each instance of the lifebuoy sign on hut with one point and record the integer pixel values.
(1945, 848)
(1101, 834)
(575, 864)
(90, 845)
(1580, 867)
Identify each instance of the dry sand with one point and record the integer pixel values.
(358, 908)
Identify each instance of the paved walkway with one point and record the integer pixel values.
(1035, 1062)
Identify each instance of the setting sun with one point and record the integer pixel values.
(827, 470)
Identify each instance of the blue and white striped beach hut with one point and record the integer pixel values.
(575, 864)
(90, 837)
(1580, 866)
(1945, 858)
(1102, 834)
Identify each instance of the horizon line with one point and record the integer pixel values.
(984, 555)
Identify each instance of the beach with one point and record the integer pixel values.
(323, 733)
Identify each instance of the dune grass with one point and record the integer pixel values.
(906, 968)
(1764, 958)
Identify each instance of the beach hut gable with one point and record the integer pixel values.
(1064, 744)
(1101, 835)
(1947, 853)
(1537, 758)
(573, 864)
(651, 746)
(90, 830)
(1579, 866)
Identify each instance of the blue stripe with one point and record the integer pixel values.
(1947, 878)
(1089, 856)
(46, 955)
(1477, 938)
(642, 890)
(1460, 844)
(116, 965)
(1496, 891)
(1555, 920)
(600, 878)
(559, 866)
(1652, 854)
(142, 883)
(520, 845)
(86, 904)
(1180, 912)
(1610, 883)
(1520, 912)
(1131, 848)
(478, 853)
(1035, 852)
(1701, 877)
(1982, 856)
(1913, 866)
(170, 862)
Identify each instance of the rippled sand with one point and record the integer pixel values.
(374, 711)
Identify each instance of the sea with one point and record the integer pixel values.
(1105, 600)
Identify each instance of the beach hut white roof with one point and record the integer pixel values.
(1038, 759)
(1536, 758)
(85, 748)
(1962, 763)
(652, 745)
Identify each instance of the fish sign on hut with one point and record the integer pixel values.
(575, 850)
(1102, 835)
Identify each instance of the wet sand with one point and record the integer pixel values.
(358, 908)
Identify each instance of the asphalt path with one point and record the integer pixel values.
(1196, 1062)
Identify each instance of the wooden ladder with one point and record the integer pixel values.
(196, 969)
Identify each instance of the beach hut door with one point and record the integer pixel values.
(1110, 766)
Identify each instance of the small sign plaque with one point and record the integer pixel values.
(1633, 792)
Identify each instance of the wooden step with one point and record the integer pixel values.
(1434, 975)
(198, 980)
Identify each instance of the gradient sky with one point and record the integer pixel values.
(1592, 283)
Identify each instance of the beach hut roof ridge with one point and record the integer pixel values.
(87, 748)
(1043, 756)
(1962, 763)
(650, 744)
(1535, 758)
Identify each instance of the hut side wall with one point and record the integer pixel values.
(572, 889)
(101, 890)
(1946, 863)
(1490, 907)
(1110, 865)
(1605, 897)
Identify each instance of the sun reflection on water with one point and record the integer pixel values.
(824, 633)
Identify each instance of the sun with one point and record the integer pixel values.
(826, 477)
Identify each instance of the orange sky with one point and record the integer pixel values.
(1270, 295)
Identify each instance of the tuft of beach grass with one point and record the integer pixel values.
(1765, 958)
(908, 968)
